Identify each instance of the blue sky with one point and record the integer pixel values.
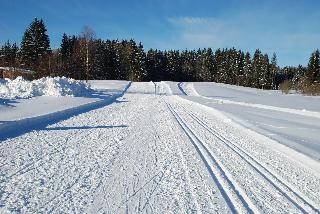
(289, 28)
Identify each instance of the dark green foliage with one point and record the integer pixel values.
(83, 58)
(35, 44)
(313, 70)
(8, 55)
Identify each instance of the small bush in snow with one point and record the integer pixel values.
(285, 86)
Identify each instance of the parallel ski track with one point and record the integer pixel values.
(234, 196)
(298, 199)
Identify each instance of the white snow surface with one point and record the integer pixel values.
(16, 112)
(292, 120)
(189, 89)
(162, 88)
(153, 152)
(46, 86)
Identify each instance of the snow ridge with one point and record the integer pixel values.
(46, 86)
(162, 88)
(189, 89)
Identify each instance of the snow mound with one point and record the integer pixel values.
(142, 88)
(189, 89)
(46, 86)
(163, 88)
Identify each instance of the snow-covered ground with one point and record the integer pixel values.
(150, 153)
(55, 103)
(291, 119)
(46, 86)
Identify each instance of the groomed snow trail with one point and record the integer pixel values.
(148, 153)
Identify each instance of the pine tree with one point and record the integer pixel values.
(257, 68)
(298, 77)
(8, 54)
(35, 44)
(216, 65)
(209, 65)
(264, 74)
(97, 56)
(240, 78)
(313, 70)
(247, 70)
(274, 69)
(141, 62)
(234, 62)
(65, 49)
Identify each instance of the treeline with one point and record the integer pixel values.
(85, 57)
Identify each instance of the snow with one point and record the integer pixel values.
(162, 88)
(189, 89)
(143, 88)
(290, 119)
(175, 88)
(148, 151)
(18, 112)
(46, 86)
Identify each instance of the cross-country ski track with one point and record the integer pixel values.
(152, 151)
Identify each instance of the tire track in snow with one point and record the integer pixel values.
(298, 199)
(230, 191)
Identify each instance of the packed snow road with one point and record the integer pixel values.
(154, 152)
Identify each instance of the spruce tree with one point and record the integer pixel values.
(65, 47)
(208, 65)
(247, 70)
(35, 44)
(274, 70)
(8, 54)
(313, 70)
(257, 68)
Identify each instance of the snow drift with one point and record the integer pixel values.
(189, 89)
(46, 86)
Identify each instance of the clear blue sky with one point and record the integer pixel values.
(291, 28)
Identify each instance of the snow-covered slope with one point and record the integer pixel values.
(258, 96)
(149, 153)
(163, 88)
(142, 88)
(188, 89)
(17, 114)
(290, 119)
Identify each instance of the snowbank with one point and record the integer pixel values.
(46, 86)
(163, 88)
(189, 89)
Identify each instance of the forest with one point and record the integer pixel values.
(86, 57)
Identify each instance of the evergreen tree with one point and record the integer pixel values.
(8, 54)
(247, 70)
(35, 44)
(298, 76)
(209, 65)
(140, 60)
(97, 56)
(313, 70)
(264, 74)
(240, 78)
(274, 69)
(66, 47)
(257, 68)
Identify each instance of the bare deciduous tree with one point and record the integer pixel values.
(88, 35)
